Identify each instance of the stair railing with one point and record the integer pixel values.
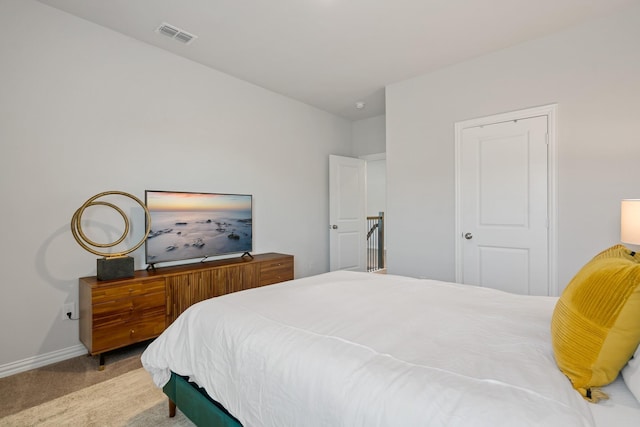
(375, 242)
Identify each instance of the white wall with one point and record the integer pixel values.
(376, 185)
(369, 136)
(84, 110)
(592, 71)
(369, 143)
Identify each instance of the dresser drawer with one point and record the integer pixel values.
(276, 271)
(120, 333)
(128, 305)
(117, 317)
(132, 289)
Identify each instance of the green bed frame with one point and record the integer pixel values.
(194, 402)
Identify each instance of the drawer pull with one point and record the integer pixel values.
(276, 264)
(131, 332)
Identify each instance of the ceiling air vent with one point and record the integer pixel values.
(175, 33)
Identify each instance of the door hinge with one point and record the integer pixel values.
(546, 138)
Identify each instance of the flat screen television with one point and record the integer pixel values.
(187, 225)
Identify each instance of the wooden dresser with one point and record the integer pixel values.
(117, 313)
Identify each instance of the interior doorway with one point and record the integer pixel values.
(357, 190)
(376, 209)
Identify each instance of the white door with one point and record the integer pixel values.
(347, 213)
(504, 206)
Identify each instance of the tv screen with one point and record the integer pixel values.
(197, 225)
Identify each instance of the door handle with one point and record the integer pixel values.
(333, 227)
(468, 236)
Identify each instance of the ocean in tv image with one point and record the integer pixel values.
(196, 225)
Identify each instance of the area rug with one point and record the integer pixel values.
(130, 399)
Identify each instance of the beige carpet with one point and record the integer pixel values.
(37, 386)
(130, 399)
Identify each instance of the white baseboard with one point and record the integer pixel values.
(41, 360)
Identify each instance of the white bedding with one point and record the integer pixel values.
(359, 349)
(620, 410)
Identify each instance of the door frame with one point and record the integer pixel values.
(551, 112)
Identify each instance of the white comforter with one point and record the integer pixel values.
(358, 349)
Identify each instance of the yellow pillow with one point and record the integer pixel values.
(595, 327)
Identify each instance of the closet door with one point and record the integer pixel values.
(504, 209)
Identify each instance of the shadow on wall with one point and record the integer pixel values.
(59, 262)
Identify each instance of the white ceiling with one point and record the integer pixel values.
(334, 53)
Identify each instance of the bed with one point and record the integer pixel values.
(361, 349)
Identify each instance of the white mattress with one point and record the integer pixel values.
(358, 349)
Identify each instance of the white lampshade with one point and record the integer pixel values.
(630, 221)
